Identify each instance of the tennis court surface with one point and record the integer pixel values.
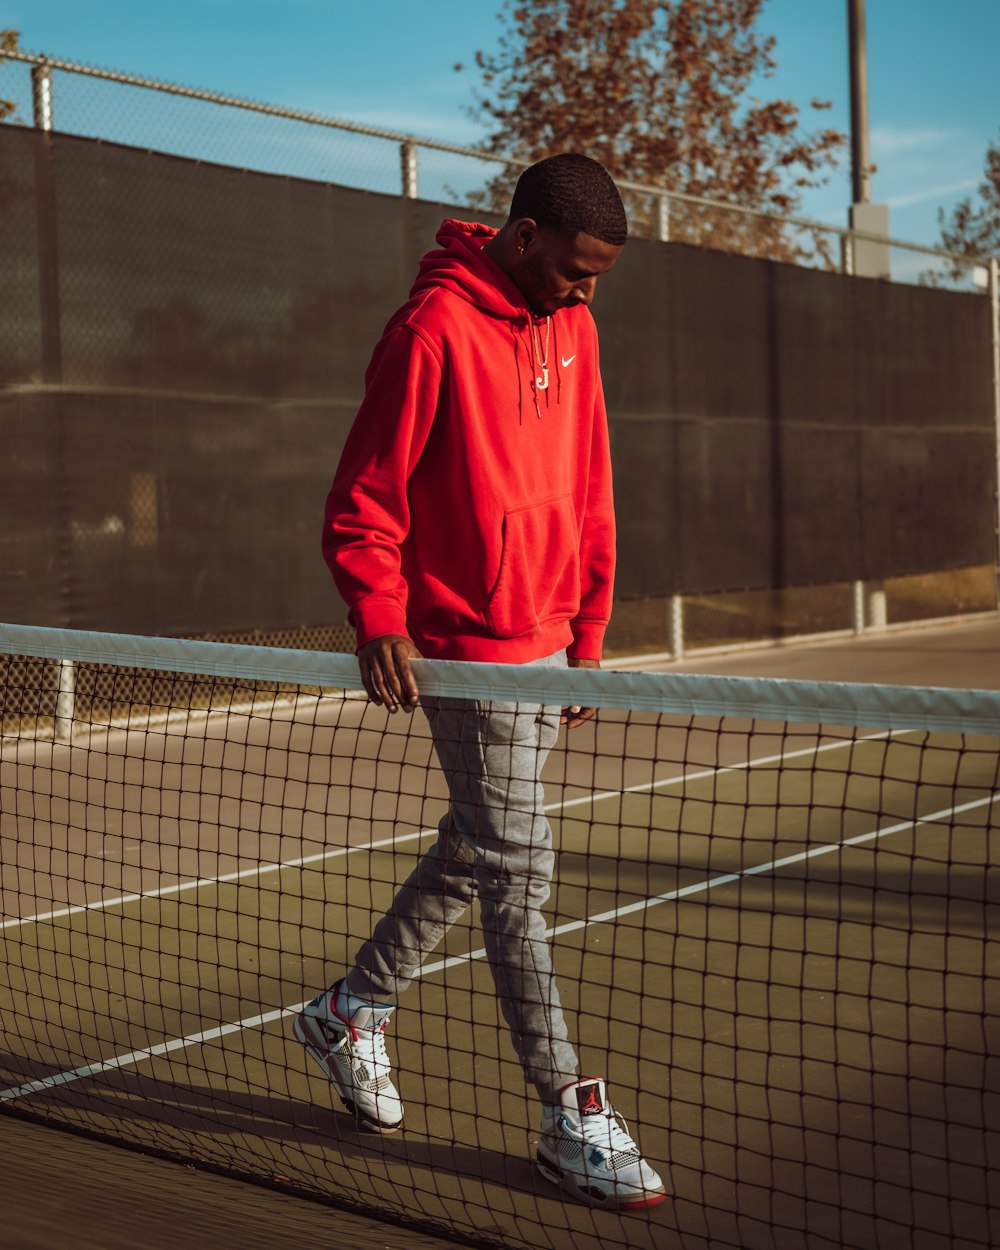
(774, 921)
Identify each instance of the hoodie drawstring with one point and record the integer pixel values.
(537, 382)
(555, 362)
(517, 335)
(533, 375)
(538, 367)
(534, 367)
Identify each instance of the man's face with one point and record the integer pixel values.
(554, 270)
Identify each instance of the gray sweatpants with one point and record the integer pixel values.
(495, 840)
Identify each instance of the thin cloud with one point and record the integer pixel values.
(398, 114)
(892, 141)
(931, 193)
(414, 121)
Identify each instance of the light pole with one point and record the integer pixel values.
(869, 257)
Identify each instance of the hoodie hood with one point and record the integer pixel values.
(461, 266)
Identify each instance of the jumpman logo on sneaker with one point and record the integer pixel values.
(592, 1105)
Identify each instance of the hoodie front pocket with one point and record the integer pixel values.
(539, 578)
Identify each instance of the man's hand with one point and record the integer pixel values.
(574, 716)
(386, 674)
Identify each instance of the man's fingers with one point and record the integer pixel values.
(572, 717)
(398, 677)
(373, 677)
(386, 673)
(367, 680)
(409, 695)
(376, 686)
(385, 682)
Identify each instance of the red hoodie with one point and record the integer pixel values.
(472, 510)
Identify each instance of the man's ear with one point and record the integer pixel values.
(525, 233)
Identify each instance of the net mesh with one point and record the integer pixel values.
(772, 918)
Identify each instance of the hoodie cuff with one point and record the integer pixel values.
(374, 618)
(588, 640)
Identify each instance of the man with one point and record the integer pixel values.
(471, 519)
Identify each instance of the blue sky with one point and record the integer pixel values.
(935, 102)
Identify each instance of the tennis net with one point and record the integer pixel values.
(773, 918)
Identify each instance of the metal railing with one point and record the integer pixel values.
(418, 166)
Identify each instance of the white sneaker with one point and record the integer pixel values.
(351, 1051)
(585, 1150)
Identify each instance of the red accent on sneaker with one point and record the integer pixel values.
(638, 1204)
(343, 1019)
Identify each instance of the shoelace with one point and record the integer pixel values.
(370, 1048)
(607, 1132)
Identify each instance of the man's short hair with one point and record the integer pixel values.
(572, 193)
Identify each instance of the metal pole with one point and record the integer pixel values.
(663, 218)
(860, 153)
(858, 606)
(65, 701)
(878, 611)
(408, 166)
(48, 268)
(677, 626)
(51, 409)
(41, 96)
(995, 337)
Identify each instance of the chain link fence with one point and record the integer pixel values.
(201, 125)
(54, 95)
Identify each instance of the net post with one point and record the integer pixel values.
(858, 606)
(994, 292)
(65, 701)
(677, 626)
(846, 254)
(408, 167)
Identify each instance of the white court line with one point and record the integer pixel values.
(252, 1022)
(182, 886)
(563, 805)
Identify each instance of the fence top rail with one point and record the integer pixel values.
(240, 102)
(402, 137)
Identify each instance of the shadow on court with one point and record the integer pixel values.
(62, 1189)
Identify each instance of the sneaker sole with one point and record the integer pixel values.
(316, 1053)
(593, 1195)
